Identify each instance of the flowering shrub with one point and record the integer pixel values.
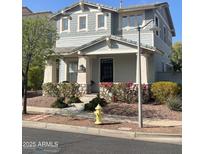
(123, 92)
(65, 90)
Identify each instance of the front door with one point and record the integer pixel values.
(106, 70)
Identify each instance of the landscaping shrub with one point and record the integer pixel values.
(161, 91)
(65, 90)
(35, 78)
(94, 102)
(174, 103)
(59, 103)
(123, 92)
(51, 89)
(74, 99)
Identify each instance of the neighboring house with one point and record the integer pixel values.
(26, 12)
(99, 44)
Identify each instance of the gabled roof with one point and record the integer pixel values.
(111, 37)
(96, 5)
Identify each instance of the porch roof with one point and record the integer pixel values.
(118, 39)
(71, 50)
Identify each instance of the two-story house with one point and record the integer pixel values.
(99, 44)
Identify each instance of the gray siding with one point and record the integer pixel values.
(146, 33)
(75, 38)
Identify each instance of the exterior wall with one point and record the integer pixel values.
(120, 65)
(146, 33)
(169, 76)
(75, 38)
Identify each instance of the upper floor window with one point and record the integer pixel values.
(156, 20)
(82, 22)
(132, 22)
(100, 21)
(164, 33)
(139, 19)
(65, 24)
(124, 21)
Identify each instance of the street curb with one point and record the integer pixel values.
(158, 137)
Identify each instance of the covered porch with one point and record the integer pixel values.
(104, 61)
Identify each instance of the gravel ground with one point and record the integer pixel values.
(149, 110)
(41, 101)
(107, 125)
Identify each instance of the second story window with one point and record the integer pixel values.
(139, 19)
(124, 21)
(132, 22)
(156, 21)
(100, 21)
(82, 23)
(164, 33)
(65, 24)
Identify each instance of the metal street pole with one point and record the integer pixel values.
(140, 120)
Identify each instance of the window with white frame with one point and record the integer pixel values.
(100, 21)
(82, 23)
(124, 21)
(156, 20)
(65, 24)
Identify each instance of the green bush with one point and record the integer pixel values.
(94, 102)
(65, 90)
(174, 103)
(59, 103)
(161, 91)
(74, 99)
(51, 89)
(35, 77)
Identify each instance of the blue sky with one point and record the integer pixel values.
(55, 5)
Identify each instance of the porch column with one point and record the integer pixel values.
(84, 77)
(50, 71)
(144, 69)
(62, 70)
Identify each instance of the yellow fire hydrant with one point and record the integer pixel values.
(98, 114)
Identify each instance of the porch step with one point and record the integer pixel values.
(88, 97)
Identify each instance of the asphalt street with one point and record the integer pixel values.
(41, 141)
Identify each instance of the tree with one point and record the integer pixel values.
(176, 56)
(39, 36)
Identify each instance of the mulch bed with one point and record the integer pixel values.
(106, 125)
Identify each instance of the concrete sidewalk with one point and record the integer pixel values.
(113, 118)
(153, 137)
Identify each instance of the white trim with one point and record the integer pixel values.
(61, 25)
(105, 21)
(99, 67)
(85, 29)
